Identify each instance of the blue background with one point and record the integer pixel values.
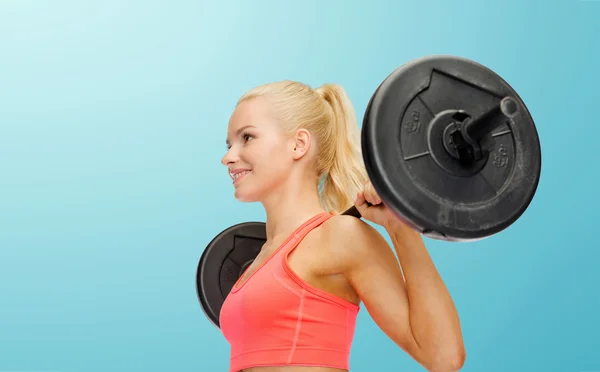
(113, 116)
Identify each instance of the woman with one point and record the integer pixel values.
(296, 150)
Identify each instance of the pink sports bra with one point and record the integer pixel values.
(275, 318)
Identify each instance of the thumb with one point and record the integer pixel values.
(360, 202)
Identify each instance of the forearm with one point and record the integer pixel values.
(433, 317)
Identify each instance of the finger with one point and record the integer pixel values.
(360, 198)
(375, 194)
(371, 195)
(367, 192)
(360, 202)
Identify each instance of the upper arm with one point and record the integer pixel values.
(374, 272)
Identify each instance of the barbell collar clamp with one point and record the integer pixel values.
(468, 140)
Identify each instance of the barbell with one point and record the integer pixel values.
(448, 145)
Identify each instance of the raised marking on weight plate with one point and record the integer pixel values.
(501, 133)
(500, 158)
(416, 155)
(413, 125)
(426, 107)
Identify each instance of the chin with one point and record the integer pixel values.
(252, 190)
(246, 197)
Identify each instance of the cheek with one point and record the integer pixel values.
(270, 158)
(269, 170)
(273, 165)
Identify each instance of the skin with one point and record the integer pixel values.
(345, 256)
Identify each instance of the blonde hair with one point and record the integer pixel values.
(327, 113)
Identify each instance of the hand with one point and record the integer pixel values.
(378, 212)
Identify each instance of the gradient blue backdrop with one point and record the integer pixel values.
(112, 124)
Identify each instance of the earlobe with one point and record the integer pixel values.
(301, 143)
(298, 153)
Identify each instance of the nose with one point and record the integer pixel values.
(229, 157)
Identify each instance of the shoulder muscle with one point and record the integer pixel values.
(357, 243)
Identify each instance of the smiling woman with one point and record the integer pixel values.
(296, 151)
(287, 109)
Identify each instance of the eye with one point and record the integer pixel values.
(247, 136)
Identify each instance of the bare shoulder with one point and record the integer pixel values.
(354, 241)
(350, 228)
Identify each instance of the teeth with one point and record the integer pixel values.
(237, 175)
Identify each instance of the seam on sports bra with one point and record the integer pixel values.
(298, 326)
(316, 291)
(348, 333)
(286, 348)
(276, 277)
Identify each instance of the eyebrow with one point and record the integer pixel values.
(237, 132)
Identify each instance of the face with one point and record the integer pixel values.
(259, 155)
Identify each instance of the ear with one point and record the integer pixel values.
(301, 143)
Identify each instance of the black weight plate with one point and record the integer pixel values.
(223, 262)
(401, 150)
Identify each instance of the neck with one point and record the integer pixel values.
(291, 206)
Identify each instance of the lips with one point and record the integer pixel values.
(237, 174)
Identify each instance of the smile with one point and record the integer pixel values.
(237, 175)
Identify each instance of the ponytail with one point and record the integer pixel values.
(328, 114)
(344, 171)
